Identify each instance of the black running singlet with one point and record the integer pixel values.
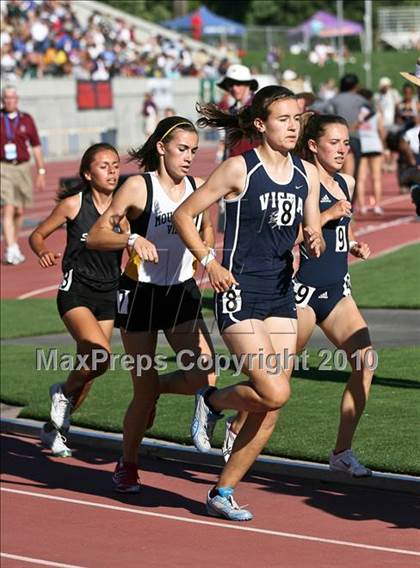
(99, 270)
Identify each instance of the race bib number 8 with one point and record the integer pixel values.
(303, 294)
(347, 285)
(286, 212)
(231, 301)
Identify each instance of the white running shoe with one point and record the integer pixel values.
(347, 462)
(203, 422)
(378, 210)
(18, 255)
(13, 255)
(60, 407)
(56, 442)
(226, 507)
(229, 440)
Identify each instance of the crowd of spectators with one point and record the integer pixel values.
(42, 38)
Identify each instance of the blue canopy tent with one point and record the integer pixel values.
(211, 23)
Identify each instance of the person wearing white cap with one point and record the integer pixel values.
(239, 83)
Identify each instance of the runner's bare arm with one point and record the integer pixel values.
(129, 200)
(312, 231)
(227, 180)
(64, 211)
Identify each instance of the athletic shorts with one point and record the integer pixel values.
(371, 154)
(73, 294)
(236, 305)
(321, 300)
(148, 307)
(16, 184)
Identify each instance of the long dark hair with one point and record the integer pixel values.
(82, 184)
(147, 155)
(313, 129)
(241, 125)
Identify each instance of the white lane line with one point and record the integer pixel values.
(394, 199)
(214, 524)
(385, 225)
(37, 292)
(37, 561)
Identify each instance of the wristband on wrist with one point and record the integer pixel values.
(352, 244)
(132, 239)
(42, 171)
(211, 255)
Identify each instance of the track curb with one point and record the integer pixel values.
(177, 452)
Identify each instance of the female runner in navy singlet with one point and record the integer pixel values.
(86, 298)
(268, 193)
(323, 290)
(157, 290)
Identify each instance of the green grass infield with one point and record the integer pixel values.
(390, 281)
(386, 439)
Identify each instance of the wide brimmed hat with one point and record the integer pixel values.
(413, 77)
(238, 74)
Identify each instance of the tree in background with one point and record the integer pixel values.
(252, 12)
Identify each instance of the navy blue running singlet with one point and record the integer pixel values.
(332, 266)
(262, 225)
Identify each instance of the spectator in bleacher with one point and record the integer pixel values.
(104, 47)
(17, 132)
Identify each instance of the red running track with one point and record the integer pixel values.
(395, 228)
(63, 511)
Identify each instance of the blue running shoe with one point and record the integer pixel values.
(203, 422)
(226, 507)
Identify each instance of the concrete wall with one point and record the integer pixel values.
(66, 131)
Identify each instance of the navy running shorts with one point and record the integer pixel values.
(321, 300)
(236, 305)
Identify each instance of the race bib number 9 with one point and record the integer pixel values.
(303, 293)
(340, 240)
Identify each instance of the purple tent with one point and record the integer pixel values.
(323, 24)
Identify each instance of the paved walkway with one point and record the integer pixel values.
(388, 328)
